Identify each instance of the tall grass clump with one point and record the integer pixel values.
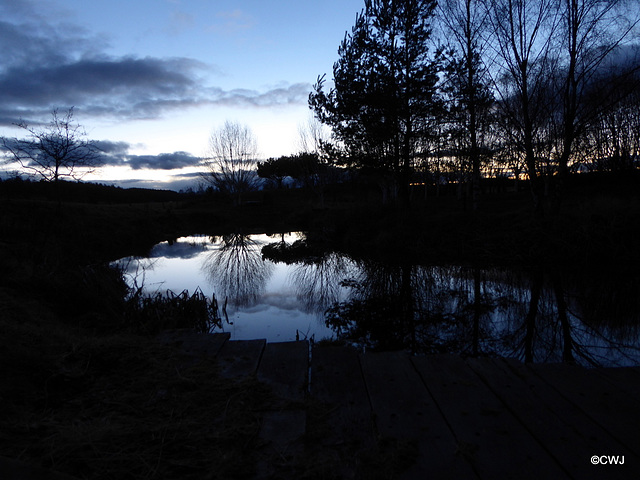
(152, 313)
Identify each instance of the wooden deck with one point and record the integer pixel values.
(447, 417)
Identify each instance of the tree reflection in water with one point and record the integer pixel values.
(535, 316)
(318, 282)
(236, 269)
(587, 317)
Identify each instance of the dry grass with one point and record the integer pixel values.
(122, 406)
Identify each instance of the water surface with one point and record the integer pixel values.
(277, 287)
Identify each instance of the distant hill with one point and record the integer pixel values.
(82, 192)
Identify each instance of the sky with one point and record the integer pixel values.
(150, 80)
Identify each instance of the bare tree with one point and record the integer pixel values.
(558, 69)
(591, 31)
(524, 32)
(231, 160)
(465, 22)
(59, 150)
(312, 136)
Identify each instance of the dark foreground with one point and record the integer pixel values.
(85, 393)
(337, 413)
(441, 416)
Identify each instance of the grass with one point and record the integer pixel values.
(124, 408)
(94, 404)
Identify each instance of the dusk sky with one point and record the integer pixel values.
(150, 79)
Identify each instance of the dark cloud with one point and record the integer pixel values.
(117, 154)
(123, 87)
(164, 161)
(115, 149)
(45, 65)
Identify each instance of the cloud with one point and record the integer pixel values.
(163, 161)
(115, 149)
(124, 87)
(45, 65)
(117, 154)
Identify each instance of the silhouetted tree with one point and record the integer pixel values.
(558, 67)
(612, 140)
(59, 150)
(231, 160)
(306, 168)
(275, 170)
(313, 136)
(385, 96)
(467, 82)
(524, 32)
(590, 34)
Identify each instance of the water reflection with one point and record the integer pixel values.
(530, 316)
(590, 318)
(535, 316)
(236, 269)
(318, 282)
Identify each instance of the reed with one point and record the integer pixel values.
(153, 313)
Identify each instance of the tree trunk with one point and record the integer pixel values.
(530, 321)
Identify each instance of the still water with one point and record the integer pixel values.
(277, 287)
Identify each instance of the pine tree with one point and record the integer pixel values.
(384, 101)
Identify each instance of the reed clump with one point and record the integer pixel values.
(153, 313)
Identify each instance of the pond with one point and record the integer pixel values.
(279, 288)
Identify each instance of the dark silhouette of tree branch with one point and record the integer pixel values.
(231, 161)
(59, 150)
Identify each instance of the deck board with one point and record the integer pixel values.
(495, 442)
(240, 358)
(613, 410)
(337, 380)
(404, 410)
(448, 417)
(284, 367)
(566, 432)
(624, 379)
(342, 423)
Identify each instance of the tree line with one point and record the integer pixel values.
(427, 91)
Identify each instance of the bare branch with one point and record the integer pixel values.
(57, 151)
(231, 160)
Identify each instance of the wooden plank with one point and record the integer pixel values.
(240, 358)
(284, 366)
(624, 379)
(613, 410)
(569, 435)
(337, 376)
(403, 409)
(336, 379)
(494, 441)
